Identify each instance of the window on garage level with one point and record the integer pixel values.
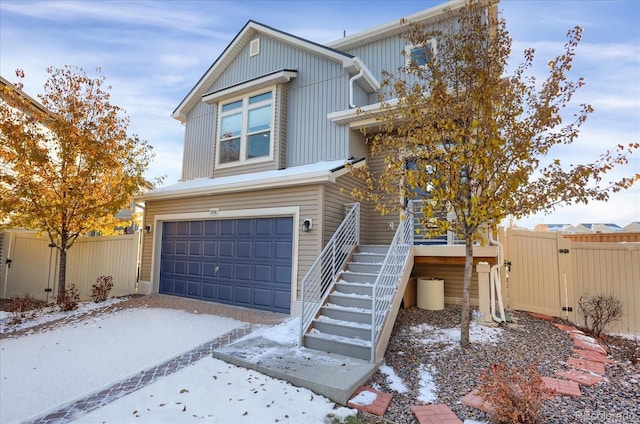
(245, 128)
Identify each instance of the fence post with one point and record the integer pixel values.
(484, 291)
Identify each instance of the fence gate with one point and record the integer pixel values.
(540, 279)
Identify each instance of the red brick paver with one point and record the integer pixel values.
(583, 364)
(562, 387)
(563, 327)
(581, 377)
(378, 407)
(594, 356)
(435, 414)
(474, 400)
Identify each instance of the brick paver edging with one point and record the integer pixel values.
(139, 381)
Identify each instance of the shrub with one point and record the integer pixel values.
(71, 298)
(100, 290)
(599, 311)
(515, 394)
(22, 307)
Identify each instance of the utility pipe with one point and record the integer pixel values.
(496, 286)
(351, 81)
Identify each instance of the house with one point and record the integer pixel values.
(599, 228)
(271, 130)
(563, 228)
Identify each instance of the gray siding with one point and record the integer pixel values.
(378, 231)
(307, 135)
(199, 142)
(306, 197)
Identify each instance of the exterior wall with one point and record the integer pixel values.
(337, 201)
(307, 198)
(35, 265)
(307, 136)
(544, 280)
(453, 277)
(199, 146)
(379, 230)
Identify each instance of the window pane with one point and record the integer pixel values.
(230, 150)
(231, 106)
(421, 55)
(231, 125)
(258, 145)
(259, 98)
(259, 119)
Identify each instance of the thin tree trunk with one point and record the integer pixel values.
(468, 269)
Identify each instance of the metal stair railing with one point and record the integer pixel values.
(327, 266)
(389, 277)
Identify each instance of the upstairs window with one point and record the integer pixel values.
(245, 128)
(422, 54)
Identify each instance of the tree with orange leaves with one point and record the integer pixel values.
(67, 165)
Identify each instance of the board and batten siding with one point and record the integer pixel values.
(308, 136)
(307, 198)
(199, 142)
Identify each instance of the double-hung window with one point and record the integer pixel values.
(245, 128)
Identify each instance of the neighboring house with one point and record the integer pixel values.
(271, 129)
(600, 228)
(632, 227)
(563, 228)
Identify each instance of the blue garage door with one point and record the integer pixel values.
(242, 262)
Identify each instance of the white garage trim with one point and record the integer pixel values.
(293, 211)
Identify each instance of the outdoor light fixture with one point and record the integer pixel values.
(147, 229)
(307, 224)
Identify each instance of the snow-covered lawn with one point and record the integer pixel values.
(43, 371)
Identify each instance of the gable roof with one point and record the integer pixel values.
(352, 64)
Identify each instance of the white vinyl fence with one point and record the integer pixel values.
(29, 265)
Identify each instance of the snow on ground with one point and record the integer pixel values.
(428, 390)
(40, 372)
(478, 333)
(51, 313)
(365, 397)
(215, 391)
(394, 381)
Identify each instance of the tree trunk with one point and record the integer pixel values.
(62, 274)
(468, 269)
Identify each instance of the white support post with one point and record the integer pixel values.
(484, 290)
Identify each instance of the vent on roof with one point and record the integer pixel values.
(254, 47)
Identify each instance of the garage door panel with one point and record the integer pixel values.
(193, 288)
(245, 262)
(225, 292)
(283, 250)
(209, 291)
(243, 249)
(242, 295)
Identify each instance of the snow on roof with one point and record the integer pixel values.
(296, 175)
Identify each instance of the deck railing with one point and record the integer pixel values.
(389, 277)
(327, 266)
(421, 235)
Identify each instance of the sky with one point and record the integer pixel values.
(100, 348)
(153, 52)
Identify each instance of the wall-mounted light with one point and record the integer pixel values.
(307, 224)
(148, 228)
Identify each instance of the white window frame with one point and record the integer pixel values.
(244, 134)
(431, 43)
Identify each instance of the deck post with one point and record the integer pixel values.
(484, 291)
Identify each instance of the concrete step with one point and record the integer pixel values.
(361, 301)
(358, 277)
(347, 346)
(376, 258)
(336, 327)
(354, 288)
(373, 248)
(369, 268)
(342, 313)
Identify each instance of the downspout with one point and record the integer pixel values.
(351, 81)
(496, 285)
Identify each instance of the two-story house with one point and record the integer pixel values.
(271, 130)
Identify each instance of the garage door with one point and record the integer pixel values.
(242, 262)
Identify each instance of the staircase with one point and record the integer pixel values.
(343, 323)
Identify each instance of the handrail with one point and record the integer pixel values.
(388, 279)
(327, 266)
(420, 235)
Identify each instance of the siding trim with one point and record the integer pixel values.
(156, 245)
